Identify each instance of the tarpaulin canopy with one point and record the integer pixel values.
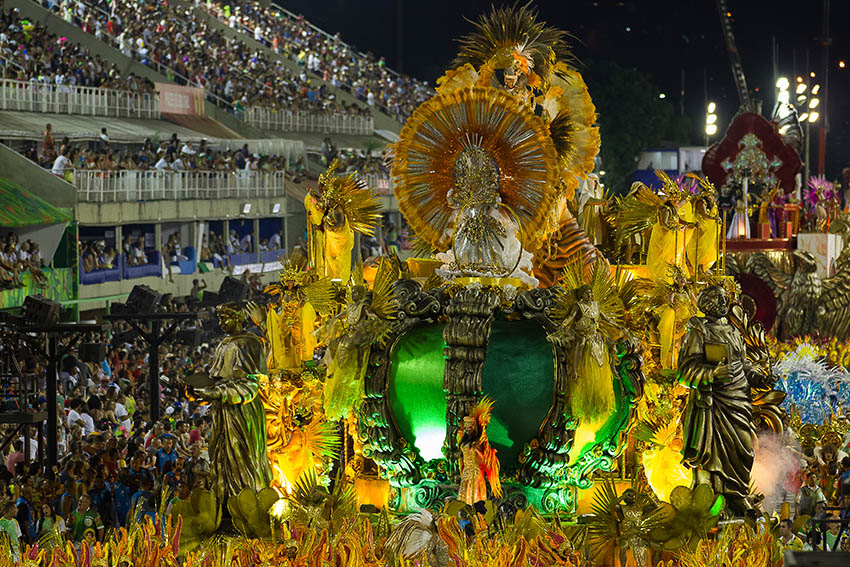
(19, 208)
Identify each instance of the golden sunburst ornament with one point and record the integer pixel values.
(474, 120)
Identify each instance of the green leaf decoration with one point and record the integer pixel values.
(201, 518)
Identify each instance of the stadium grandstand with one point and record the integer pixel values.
(158, 143)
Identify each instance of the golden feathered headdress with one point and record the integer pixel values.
(360, 204)
(296, 278)
(671, 188)
(707, 188)
(511, 33)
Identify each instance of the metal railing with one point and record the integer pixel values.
(97, 186)
(383, 184)
(32, 96)
(300, 121)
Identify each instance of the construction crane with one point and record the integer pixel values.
(734, 56)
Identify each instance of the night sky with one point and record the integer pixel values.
(660, 37)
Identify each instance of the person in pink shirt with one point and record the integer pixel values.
(15, 457)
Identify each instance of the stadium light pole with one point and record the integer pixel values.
(710, 121)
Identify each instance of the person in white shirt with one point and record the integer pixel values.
(33, 443)
(88, 422)
(162, 164)
(122, 415)
(73, 417)
(178, 255)
(177, 165)
(245, 243)
(187, 149)
(61, 163)
(274, 241)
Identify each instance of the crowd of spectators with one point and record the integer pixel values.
(172, 155)
(116, 465)
(325, 56)
(215, 248)
(362, 161)
(822, 503)
(17, 257)
(31, 53)
(173, 40)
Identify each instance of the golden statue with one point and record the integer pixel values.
(344, 206)
(238, 440)
(478, 463)
(718, 424)
(289, 321)
(299, 439)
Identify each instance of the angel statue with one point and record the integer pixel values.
(344, 206)
(718, 423)
(238, 440)
(478, 463)
(591, 314)
(671, 219)
(365, 321)
(289, 322)
(623, 523)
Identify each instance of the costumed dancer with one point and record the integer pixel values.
(670, 221)
(677, 306)
(344, 206)
(669, 237)
(478, 463)
(703, 246)
(289, 321)
(479, 167)
(238, 439)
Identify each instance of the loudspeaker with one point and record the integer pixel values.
(190, 337)
(38, 310)
(119, 339)
(233, 289)
(142, 300)
(92, 352)
(118, 308)
(210, 299)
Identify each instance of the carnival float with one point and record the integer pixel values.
(515, 393)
